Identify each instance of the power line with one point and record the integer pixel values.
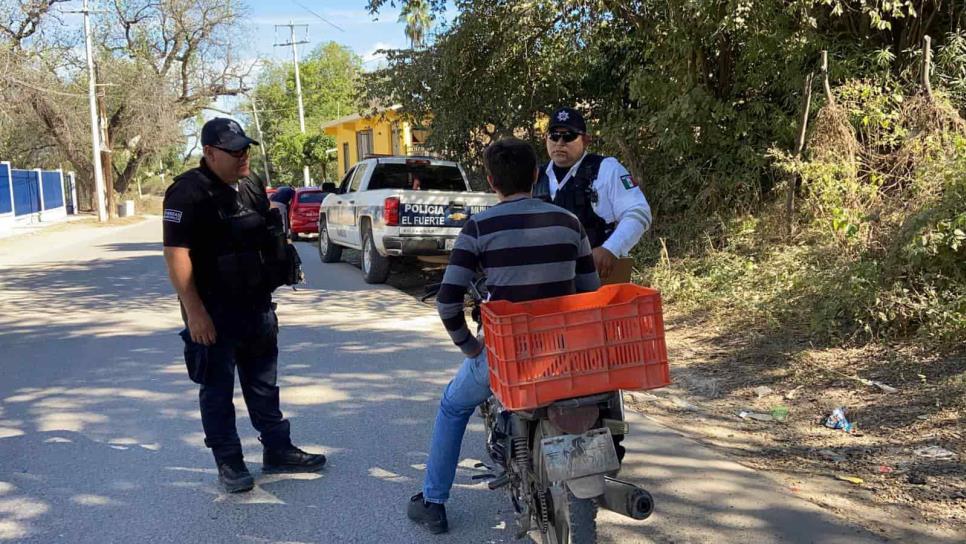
(43, 90)
(323, 19)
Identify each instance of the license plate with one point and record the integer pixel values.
(572, 456)
(448, 244)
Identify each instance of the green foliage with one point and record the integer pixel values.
(878, 255)
(328, 75)
(702, 99)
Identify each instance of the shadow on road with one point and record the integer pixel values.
(100, 438)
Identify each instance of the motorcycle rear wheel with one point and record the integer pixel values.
(573, 522)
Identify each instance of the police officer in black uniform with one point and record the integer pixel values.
(597, 189)
(226, 252)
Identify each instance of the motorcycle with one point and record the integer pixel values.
(558, 463)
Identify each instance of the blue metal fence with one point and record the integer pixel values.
(53, 185)
(6, 200)
(26, 192)
(31, 195)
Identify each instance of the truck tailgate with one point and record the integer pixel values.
(439, 213)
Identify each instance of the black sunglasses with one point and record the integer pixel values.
(237, 154)
(565, 136)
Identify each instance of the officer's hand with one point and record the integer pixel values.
(202, 329)
(604, 260)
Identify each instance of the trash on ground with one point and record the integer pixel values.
(793, 393)
(851, 479)
(885, 388)
(779, 412)
(935, 452)
(916, 478)
(837, 420)
(745, 414)
(832, 456)
(884, 469)
(763, 391)
(683, 404)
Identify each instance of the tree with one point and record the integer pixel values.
(692, 94)
(329, 75)
(418, 18)
(162, 62)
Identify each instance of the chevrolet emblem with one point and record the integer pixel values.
(458, 216)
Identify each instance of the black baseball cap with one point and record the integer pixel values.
(226, 134)
(568, 118)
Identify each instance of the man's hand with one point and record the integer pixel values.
(604, 260)
(201, 327)
(478, 352)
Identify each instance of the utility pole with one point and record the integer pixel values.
(95, 132)
(261, 138)
(107, 161)
(298, 82)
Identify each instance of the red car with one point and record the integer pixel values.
(303, 214)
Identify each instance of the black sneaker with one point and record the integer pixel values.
(291, 459)
(234, 475)
(430, 514)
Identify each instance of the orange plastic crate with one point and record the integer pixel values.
(558, 348)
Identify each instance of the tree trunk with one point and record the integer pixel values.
(124, 179)
(796, 182)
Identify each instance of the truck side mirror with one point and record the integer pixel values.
(329, 187)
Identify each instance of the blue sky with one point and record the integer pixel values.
(360, 31)
(363, 33)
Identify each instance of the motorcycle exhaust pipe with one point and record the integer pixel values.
(626, 499)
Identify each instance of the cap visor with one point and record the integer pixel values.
(237, 143)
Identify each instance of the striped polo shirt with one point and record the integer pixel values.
(527, 248)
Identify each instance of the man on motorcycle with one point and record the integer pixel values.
(528, 249)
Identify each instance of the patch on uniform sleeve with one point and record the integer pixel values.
(628, 182)
(172, 216)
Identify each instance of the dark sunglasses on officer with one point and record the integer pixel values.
(567, 136)
(237, 153)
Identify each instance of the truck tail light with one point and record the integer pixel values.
(390, 211)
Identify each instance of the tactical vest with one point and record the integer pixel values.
(579, 196)
(254, 256)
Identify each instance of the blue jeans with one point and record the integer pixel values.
(469, 389)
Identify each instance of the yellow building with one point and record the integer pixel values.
(384, 133)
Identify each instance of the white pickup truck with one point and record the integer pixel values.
(390, 207)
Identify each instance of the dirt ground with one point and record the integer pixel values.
(718, 374)
(906, 449)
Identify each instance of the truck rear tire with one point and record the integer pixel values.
(375, 267)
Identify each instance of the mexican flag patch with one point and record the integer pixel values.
(628, 182)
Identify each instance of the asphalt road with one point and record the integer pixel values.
(100, 437)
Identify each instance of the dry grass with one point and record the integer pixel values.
(833, 139)
(716, 369)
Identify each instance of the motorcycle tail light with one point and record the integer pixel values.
(573, 420)
(390, 211)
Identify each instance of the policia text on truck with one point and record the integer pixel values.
(226, 252)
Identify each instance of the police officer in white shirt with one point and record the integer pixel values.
(597, 189)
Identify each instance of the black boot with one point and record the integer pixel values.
(291, 459)
(234, 475)
(430, 514)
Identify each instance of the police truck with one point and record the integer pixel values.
(397, 206)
